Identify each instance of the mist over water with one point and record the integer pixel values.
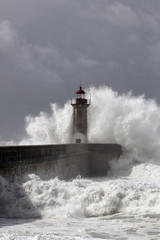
(51, 128)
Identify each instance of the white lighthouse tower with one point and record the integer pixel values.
(80, 117)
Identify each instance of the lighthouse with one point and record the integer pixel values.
(80, 117)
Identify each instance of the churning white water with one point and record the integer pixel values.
(123, 208)
(123, 205)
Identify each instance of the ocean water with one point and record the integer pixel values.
(124, 204)
(104, 208)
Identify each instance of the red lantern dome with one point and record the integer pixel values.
(80, 91)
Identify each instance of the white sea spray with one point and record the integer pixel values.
(133, 122)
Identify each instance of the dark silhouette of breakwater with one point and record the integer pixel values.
(63, 160)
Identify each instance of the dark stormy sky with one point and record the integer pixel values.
(49, 47)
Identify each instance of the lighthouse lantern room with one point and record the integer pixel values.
(80, 117)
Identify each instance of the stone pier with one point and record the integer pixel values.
(64, 161)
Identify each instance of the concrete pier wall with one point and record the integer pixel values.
(64, 160)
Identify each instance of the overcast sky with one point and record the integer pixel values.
(49, 47)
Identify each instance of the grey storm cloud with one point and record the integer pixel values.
(49, 47)
(40, 62)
